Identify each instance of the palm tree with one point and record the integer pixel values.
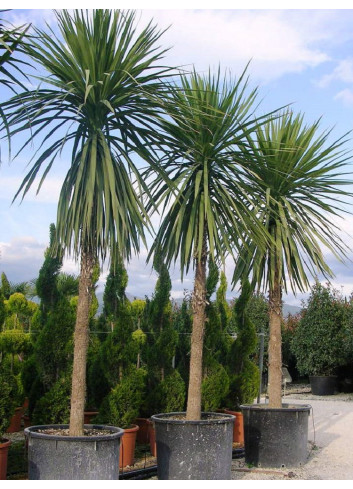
(206, 208)
(11, 39)
(300, 178)
(99, 97)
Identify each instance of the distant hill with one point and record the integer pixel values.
(288, 309)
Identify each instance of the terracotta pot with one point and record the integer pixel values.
(4, 447)
(238, 429)
(26, 421)
(128, 443)
(88, 415)
(152, 438)
(142, 434)
(26, 403)
(15, 423)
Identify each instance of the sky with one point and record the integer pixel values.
(302, 57)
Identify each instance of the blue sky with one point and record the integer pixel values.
(302, 57)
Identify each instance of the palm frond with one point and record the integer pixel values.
(95, 97)
(301, 179)
(204, 140)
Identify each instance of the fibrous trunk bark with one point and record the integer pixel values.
(193, 411)
(275, 345)
(81, 336)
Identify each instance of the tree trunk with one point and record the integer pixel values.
(193, 411)
(78, 392)
(275, 345)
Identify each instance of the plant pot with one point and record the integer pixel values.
(4, 448)
(88, 415)
(142, 434)
(25, 403)
(15, 423)
(276, 437)
(194, 450)
(323, 385)
(26, 421)
(127, 449)
(152, 438)
(57, 457)
(238, 429)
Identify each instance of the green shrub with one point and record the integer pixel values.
(8, 392)
(54, 345)
(32, 385)
(122, 405)
(243, 386)
(215, 387)
(54, 406)
(182, 323)
(319, 340)
(169, 395)
(2, 310)
(243, 372)
(14, 341)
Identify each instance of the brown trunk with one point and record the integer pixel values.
(81, 336)
(193, 411)
(275, 346)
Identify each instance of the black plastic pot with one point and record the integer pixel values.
(194, 450)
(55, 457)
(323, 385)
(276, 437)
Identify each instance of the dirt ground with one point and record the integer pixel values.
(330, 447)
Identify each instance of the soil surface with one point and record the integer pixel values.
(330, 447)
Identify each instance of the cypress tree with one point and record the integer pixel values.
(166, 388)
(46, 284)
(5, 286)
(215, 383)
(243, 372)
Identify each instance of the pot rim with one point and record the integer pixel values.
(5, 442)
(265, 407)
(32, 432)
(133, 427)
(167, 418)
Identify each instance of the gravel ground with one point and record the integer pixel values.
(330, 446)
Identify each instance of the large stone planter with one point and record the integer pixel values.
(323, 385)
(197, 450)
(276, 437)
(56, 457)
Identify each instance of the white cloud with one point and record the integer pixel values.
(346, 96)
(343, 72)
(49, 192)
(278, 42)
(21, 258)
(37, 17)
